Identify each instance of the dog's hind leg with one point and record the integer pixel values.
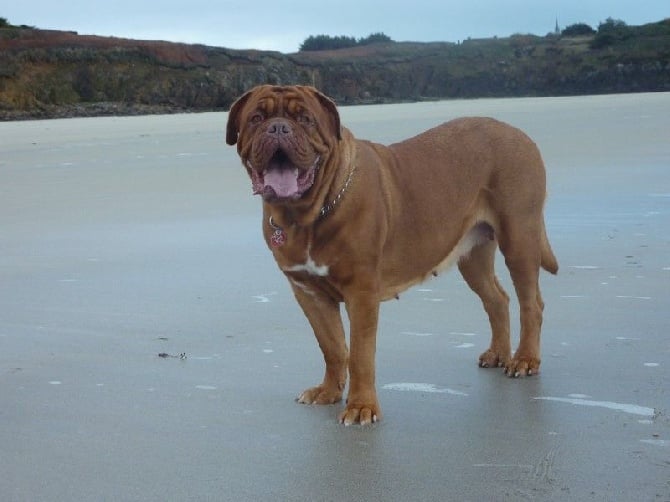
(520, 244)
(477, 269)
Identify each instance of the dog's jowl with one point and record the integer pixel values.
(352, 221)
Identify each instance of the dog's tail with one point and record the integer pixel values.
(548, 259)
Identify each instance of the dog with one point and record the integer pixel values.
(355, 222)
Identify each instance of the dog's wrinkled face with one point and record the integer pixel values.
(283, 136)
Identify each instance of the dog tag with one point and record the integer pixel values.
(278, 238)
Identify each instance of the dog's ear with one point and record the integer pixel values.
(330, 106)
(233, 126)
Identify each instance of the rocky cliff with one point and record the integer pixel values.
(53, 73)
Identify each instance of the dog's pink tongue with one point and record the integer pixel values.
(283, 181)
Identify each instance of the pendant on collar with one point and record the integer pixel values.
(278, 237)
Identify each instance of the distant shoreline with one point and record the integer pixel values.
(110, 109)
(114, 109)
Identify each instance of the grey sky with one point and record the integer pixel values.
(284, 25)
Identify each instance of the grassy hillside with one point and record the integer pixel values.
(53, 73)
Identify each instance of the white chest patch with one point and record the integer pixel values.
(310, 267)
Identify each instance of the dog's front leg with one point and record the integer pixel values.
(362, 404)
(323, 314)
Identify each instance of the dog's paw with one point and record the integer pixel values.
(320, 395)
(493, 359)
(522, 366)
(364, 414)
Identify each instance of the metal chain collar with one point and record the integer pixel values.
(328, 208)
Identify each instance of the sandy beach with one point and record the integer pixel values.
(150, 349)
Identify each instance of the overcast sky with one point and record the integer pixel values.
(284, 25)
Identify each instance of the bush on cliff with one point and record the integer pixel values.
(610, 32)
(577, 30)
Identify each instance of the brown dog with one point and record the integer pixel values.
(357, 222)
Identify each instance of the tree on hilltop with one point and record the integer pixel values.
(578, 29)
(326, 42)
(375, 38)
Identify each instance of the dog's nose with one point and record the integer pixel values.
(279, 128)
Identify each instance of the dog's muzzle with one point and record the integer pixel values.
(281, 179)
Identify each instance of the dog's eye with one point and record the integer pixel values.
(304, 119)
(257, 118)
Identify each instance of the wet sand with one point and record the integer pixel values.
(125, 238)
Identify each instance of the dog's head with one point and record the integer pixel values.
(283, 135)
